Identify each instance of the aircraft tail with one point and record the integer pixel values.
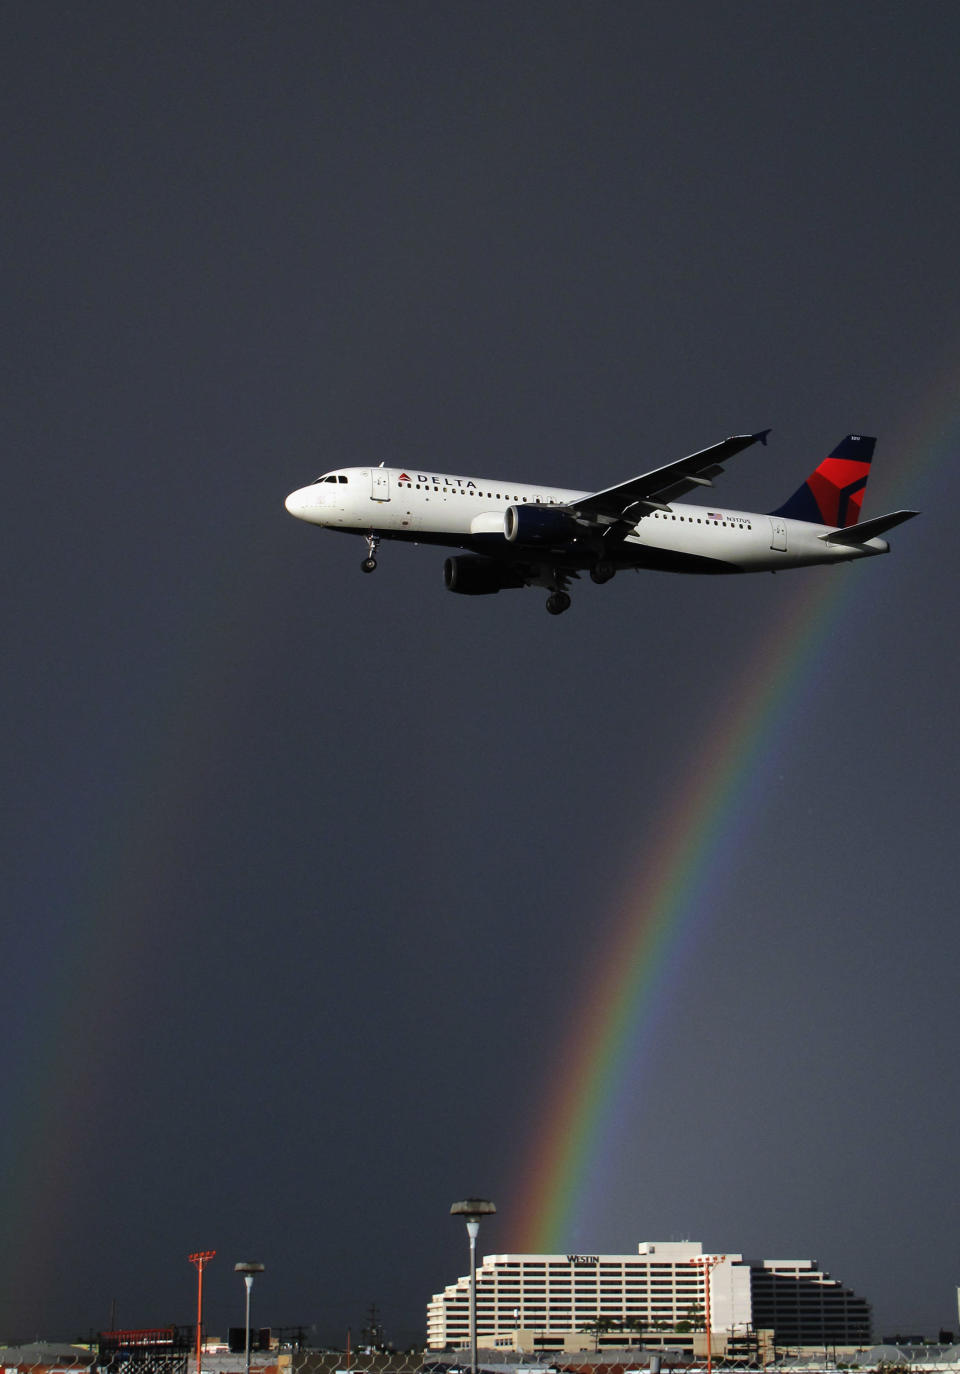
(833, 493)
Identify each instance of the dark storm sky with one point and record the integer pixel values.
(303, 869)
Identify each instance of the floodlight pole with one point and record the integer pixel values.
(200, 1258)
(472, 1209)
(706, 1264)
(247, 1268)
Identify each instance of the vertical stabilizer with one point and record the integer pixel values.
(833, 493)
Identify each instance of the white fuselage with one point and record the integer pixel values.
(469, 512)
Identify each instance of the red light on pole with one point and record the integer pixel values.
(200, 1258)
(706, 1264)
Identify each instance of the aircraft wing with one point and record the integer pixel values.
(654, 490)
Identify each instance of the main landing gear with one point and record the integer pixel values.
(602, 571)
(556, 580)
(369, 564)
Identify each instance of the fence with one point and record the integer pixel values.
(887, 1359)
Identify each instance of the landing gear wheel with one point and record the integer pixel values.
(558, 603)
(369, 564)
(602, 571)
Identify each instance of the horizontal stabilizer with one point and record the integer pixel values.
(868, 529)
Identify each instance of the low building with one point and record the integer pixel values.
(804, 1306)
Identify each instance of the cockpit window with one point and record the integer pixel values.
(342, 479)
(331, 477)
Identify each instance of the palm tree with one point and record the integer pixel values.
(600, 1324)
(633, 1323)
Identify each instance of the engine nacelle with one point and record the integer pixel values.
(537, 525)
(471, 575)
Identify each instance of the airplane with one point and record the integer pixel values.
(518, 535)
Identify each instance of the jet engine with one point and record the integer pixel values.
(537, 525)
(472, 575)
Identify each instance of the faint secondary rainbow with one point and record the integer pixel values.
(58, 1093)
(673, 888)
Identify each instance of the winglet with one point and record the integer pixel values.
(762, 436)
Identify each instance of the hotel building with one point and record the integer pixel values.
(656, 1291)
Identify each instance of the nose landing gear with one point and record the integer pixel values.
(369, 564)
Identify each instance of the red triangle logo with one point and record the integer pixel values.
(403, 477)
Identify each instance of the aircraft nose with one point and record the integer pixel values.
(297, 502)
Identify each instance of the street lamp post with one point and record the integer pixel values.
(247, 1268)
(472, 1209)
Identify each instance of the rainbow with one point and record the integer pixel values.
(654, 926)
(667, 901)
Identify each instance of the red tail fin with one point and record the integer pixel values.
(833, 493)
